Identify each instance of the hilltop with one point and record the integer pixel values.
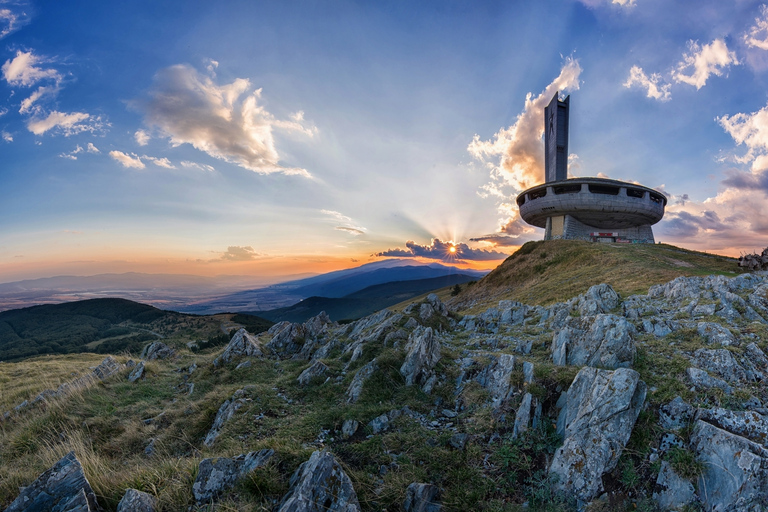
(653, 398)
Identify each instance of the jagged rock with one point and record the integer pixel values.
(156, 350)
(348, 428)
(679, 288)
(62, 488)
(735, 470)
(287, 339)
(226, 411)
(716, 333)
(316, 369)
(411, 324)
(639, 306)
(395, 337)
(660, 327)
(459, 441)
(242, 344)
(495, 378)
(426, 312)
(243, 365)
(597, 420)
(379, 424)
(603, 340)
(320, 485)
(720, 362)
(756, 356)
(356, 386)
(215, 475)
(527, 415)
(758, 299)
(747, 424)
(422, 498)
(108, 367)
(149, 450)
(675, 415)
(318, 325)
(527, 373)
(423, 355)
(437, 305)
(137, 373)
(137, 501)
(702, 380)
(672, 492)
(600, 298)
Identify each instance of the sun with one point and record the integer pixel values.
(452, 249)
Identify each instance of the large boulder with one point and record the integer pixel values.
(600, 298)
(137, 501)
(601, 340)
(596, 422)
(62, 488)
(423, 355)
(735, 476)
(242, 344)
(287, 339)
(320, 485)
(156, 350)
(215, 475)
(226, 411)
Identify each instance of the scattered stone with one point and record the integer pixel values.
(149, 451)
(459, 441)
(672, 492)
(423, 355)
(243, 365)
(242, 344)
(137, 501)
(603, 340)
(320, 485)
(226, 411)
(63, 487)
(156, 350)
(379, 424)
(527, 373)
(215, 475)
(356, 386)
(600, 412)
(702, 380)
(675, 415)
(422, 498)
(348, 428)
(137, 373)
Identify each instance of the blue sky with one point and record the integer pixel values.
(275, 138)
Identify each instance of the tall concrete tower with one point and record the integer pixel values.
(556, 139)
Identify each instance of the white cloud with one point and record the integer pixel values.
(11, 21)
(23, 70)
(347, 223)
(130, 161)
(751, 130)
(224, 121)
(757, 35)
(598, 3)
(194, 165)
(68, 124)
(27, 104)
(70, 156)
(703, 61)
(160, 162)
(7, 137)
(652, 84)
(3, 111)
(142, 137)
(92, 149)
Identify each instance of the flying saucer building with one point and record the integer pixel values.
(595, 209)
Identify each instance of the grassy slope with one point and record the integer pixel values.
(551, 271)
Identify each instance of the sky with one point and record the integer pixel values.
(276, 138)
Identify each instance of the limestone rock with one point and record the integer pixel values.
(226, 411)
(720, 362)
(356, 386)
(716, 333)
(600, 412)
(215, 475)
(672, 492)
(348, 428)
(156, 350)
(756, 356)
(319, 324)
(748, 424)
(675, 415)
(602, 340)
(137, 373)
(601, 298)
(320, 485)
(702, 380)
(316, 369)
(423, 355)
(137, 501)
(422, 498)
(287, 339)
(62, 488)
(527, 415)
(242, 344)
(495, 378)
(735, 470)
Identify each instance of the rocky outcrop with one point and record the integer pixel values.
(320, 485)
(316, 369)
(156, 350)
(702, 380)
(107, 368)
(602, 340)
(423, 355)
(720, 362)
(527, 415)
(675, 415)
(216, 475)
(242, 344)
(600, 411)
(735, 470)
(299, 341)
(137, 372)
(62, 488)
(226, 411)
(356, 386)
(672, 492)
(495, 378)
(748, 424)
(422, 498)
(715, 333)
(137, 501)
(601, 298)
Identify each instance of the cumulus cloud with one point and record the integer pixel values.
(7, 137)
(12, 20)
(515, 155)
(142, 137)
(751, 131)
(652, 85)
(160, 162)
(757, 35)
(72, 155)
(224, 121)
(438, 250)
(25, 70)
(129, 161)
(194, 165)
(91, 148)
(236, 253)
(66, 123)
(702, 61)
